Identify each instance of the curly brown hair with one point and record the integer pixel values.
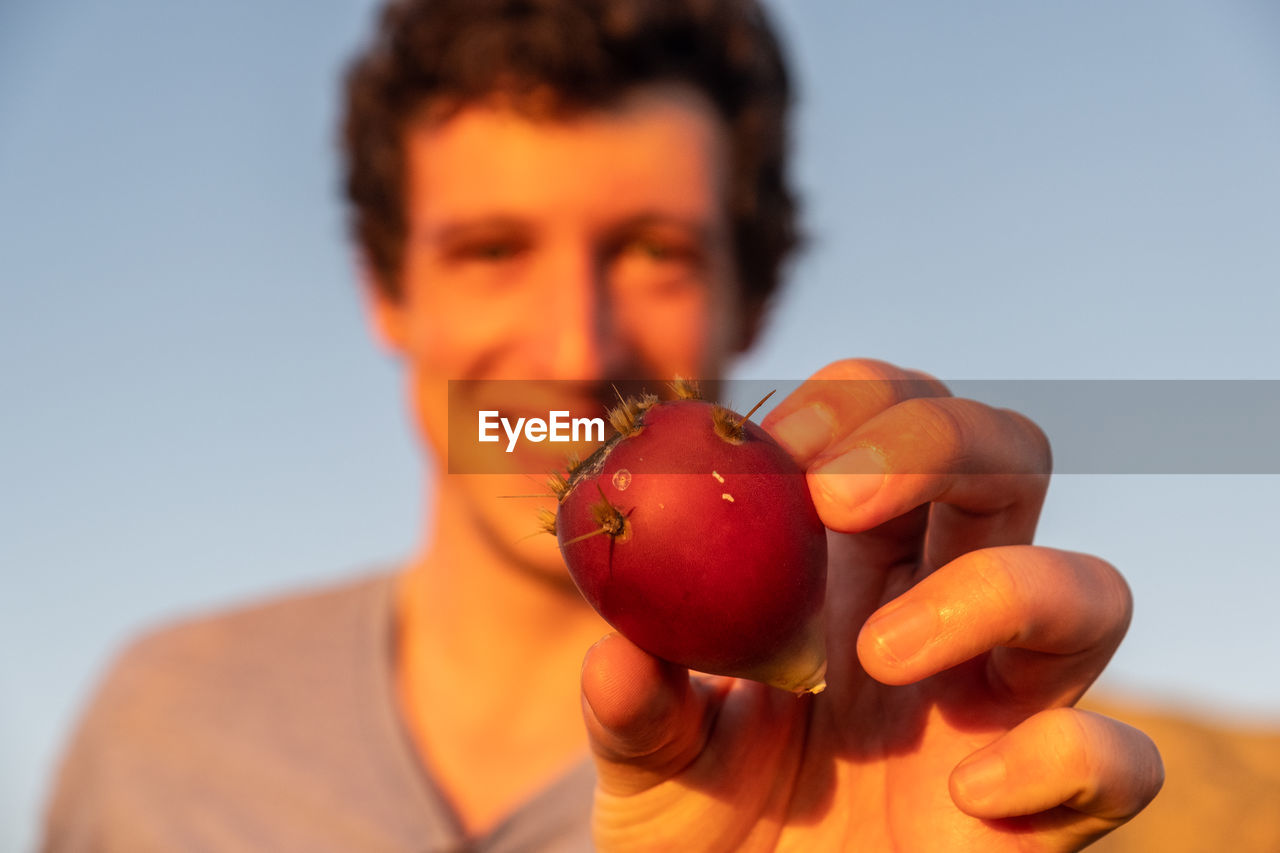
(444, 54)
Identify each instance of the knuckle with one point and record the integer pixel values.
(1153, 770)
(890, 383)
(1095, 591)
(1144, 772)
(1114, 594)
(928, 381)
(860, 368)
(1117, 768)
(997, 441)
(1033, 439)
(997, 583)
(1074, 746)
(942, 423)
(870, 384)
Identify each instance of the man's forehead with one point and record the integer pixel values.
(661, 147)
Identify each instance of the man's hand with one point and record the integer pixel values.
(956, 652)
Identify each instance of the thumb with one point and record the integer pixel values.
(644, 719)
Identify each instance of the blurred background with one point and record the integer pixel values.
(192, 413)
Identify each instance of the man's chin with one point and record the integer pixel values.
(509, 520)
(538, 557)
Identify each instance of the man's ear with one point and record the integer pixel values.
(384, 310)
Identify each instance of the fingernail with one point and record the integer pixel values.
(851, 478)
(902, 632)
(805, 432)
(981, 777)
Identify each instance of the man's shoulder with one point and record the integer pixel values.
(241, 729)
(259, 632)
(249, 660)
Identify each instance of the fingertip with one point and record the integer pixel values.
(628, 696)
(874, 663)
(977, 782)
(891, 643)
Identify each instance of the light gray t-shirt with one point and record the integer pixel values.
(274, 728)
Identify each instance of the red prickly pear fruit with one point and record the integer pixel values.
(692, 532)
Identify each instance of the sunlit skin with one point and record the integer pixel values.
(591, 249)
(596, 247)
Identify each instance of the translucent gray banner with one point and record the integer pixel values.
(1094, 426)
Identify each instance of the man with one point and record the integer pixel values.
(560, 190)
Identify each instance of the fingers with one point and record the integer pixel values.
(986, 470)
(1050, 619)
(644, 719)
(1101, 769)
(880, 442)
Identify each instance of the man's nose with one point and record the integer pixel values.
(584, 341)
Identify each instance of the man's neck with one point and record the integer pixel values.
(488, 655)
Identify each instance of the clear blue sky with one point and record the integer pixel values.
(192, 413)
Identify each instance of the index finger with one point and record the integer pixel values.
(840, 398)
(983, 472)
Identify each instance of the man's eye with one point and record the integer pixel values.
(653, 250)
(660, 251)
(492, 251)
